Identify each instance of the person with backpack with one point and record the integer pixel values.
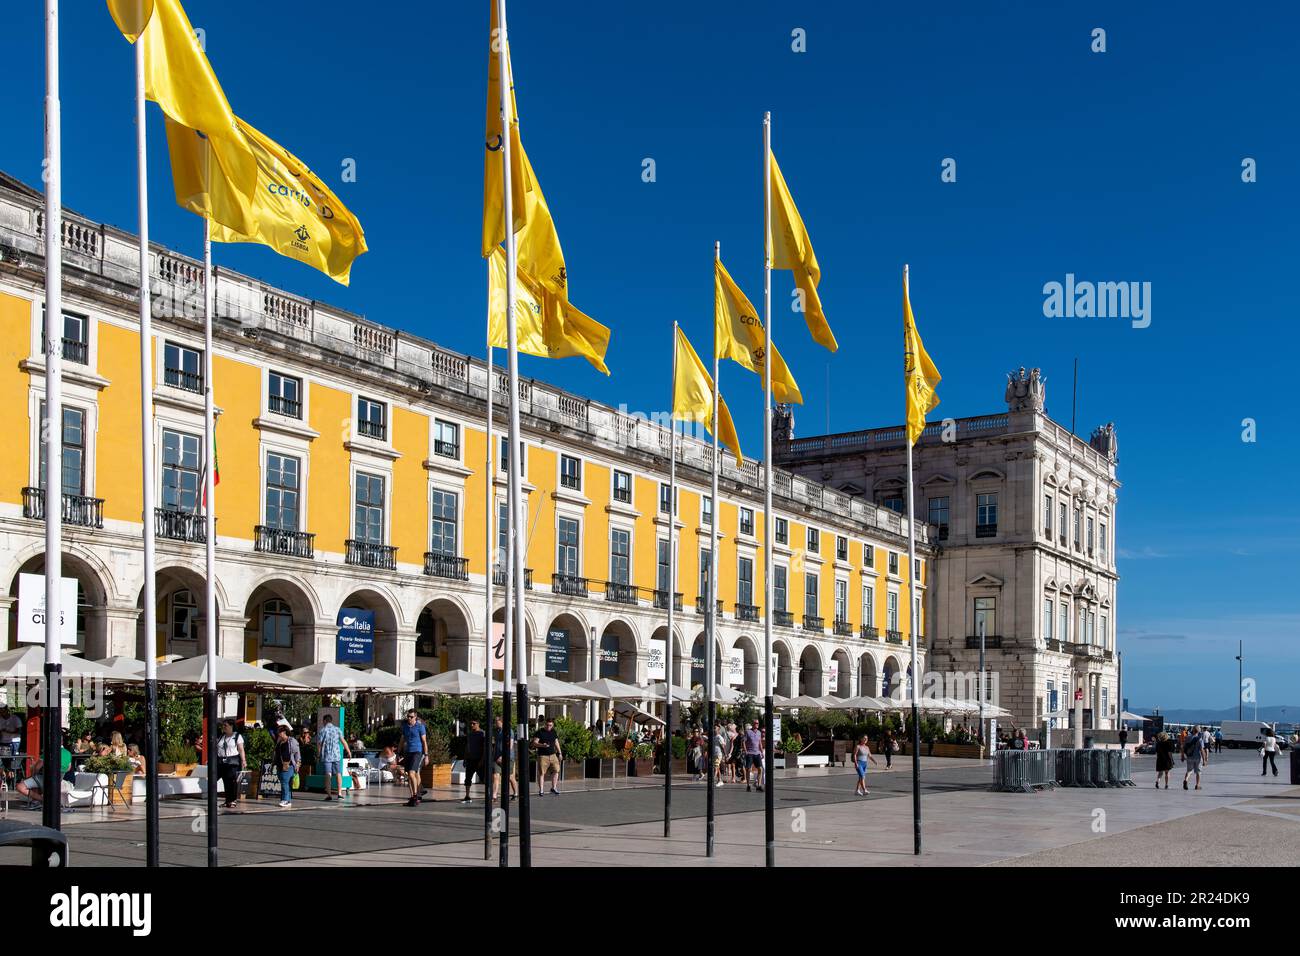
(231, 761)
(1193, 751)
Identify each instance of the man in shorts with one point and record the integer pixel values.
(330, 747)
(1193, 750)
(547, 744)
(415, 744)
(754, 754)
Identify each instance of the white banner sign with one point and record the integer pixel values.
(735, 668)
(833, 681)
(31, 610)
(655, 668)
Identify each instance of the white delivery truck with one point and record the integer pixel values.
(1245, 733)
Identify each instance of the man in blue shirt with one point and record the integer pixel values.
(415, 744)
(330, 747)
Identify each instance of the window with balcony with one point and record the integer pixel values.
(182, 465)
(503, 532)
(664, 488)
(662, 570)
(182, 367)
(282, 484)
(369, 509)
(1105, 631)
(570, 473)
(841, 548)
(284, 395)
(745, 581)
(503, 457)
(747, 521)
(442, 539)
(1063, 622)
(372, 419)
(1102, 540)
(782, 531)
(1078, 529)
(446, 439)
(893, 562)
(706, 510)
(1090, 537)
(76, 337)
(622, 487)
(779, 588)
(620, 556)
(916, 570)
(1049, 616)
(939, 515)
(1047, 516)
(868, 606)
(893, 503)
(706, 558)
(277, 624)
(814, 541)
(73, 471)
(184, 616)
(986, 515)
(841, 600)
(1060, 528)
(868, 556)
(811, 597)
(567, 538)
(891, 612)
(986, 616)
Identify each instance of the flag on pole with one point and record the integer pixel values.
(788, 247)
(545, 323)
(919, 373)
(693, 396)
(179, 78)
(739, 335)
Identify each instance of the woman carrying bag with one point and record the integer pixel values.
(231, 761)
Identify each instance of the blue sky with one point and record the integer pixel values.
(1116, 166)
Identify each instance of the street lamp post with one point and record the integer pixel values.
(1239, 654)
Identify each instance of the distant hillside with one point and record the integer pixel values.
(1268, 715)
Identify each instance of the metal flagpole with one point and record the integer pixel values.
(52, 426)
(147, 614)
(489, 507)
(769, 755)
(513, 457)
(507, 673)
(210, 538)
(711, 618)
(671, 597)
(911, 589)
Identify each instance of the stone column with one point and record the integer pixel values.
(122, 627)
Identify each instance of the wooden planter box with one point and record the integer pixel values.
(435, 775)
(791, 760)
(573, 771)
(594, 768)
(641, 767)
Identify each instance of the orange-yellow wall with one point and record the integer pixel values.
(15, 344)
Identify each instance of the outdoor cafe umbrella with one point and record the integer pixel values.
(326, 675)
(230, 675)
(122, 670)
(608, 689)
(541, 687)
(862, 703)
(28, 663)
(656, 691)
(455, 683)
(636, 715)
(807, 701)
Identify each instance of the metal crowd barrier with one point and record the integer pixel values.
(1024, 771)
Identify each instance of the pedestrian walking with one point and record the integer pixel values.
(1193, 751)
(288, 758)
(754, 750)
(549, 754)
(887, 747)
(330, 748)
(504, 742)
(415, 744)
(721, 752)
(1218, 740)
(1269, 752)
(1205, 746)
(861, 757)
(231, 761)
(475, 755)
(1164, 758)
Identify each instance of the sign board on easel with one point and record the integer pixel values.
(31, 610)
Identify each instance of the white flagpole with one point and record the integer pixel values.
(507, 675)
(489, 508)
(769, 758)
(514, 457)
(147, 613)
(711, 611)
(52, 426)
(671, 597)
(911, 613)
(211, 629)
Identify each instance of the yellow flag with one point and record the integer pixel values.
(739, 335)
(179, 78)
(296, 214)
(788, 247)
(546, 324)
(919, 373)
(494, 227)
(693, 396)
(200, 181)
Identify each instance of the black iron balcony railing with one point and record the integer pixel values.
(1091, 650)
(289, 407)
(746, 612)
(446, 566)
(620, 593)
(179, 378)
(993, 641)
(77, 509)
(371, 429)
(180, 525)
(369, 555)
(893, 637)
(73, 350)
(843, 629)
(1053, 644)
(661, 600)
(813, 622)
(869, 633)
(702, 605)
(499, 578)
(986, 531)
(572, 482)
(446, 449)
(569, 585)
(294, 544)
(783, 618)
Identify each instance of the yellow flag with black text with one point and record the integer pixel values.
(693, 396)
(789, 247)
(739, 336)
(920, 375)
(546, 324)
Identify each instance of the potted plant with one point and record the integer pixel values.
(177, 758)
(575, 745)
(679, 756)
(259, 749)
(791, 744)
(110, 765)
(642, 761)
(600, 765)
(437, 771)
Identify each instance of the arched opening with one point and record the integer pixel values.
(843, 683)
(787, 673)
(92, 622)
(442, 638)
(498, 637)
(568, 649)
(868, 680)
(281, 628)
(892, 678)
(659, 646)
(385, 650)
(753, 666)
(697, 662)
(180, 613)
(617, 655)
(810, 671)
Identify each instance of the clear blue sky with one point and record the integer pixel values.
(1122, 166)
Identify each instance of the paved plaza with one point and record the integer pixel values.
(1239, 818)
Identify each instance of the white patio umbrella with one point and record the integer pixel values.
(862, 703)
(454, 683)
(229, 674)
(726, 695)
(806, 701)
(656, 692)
(28, 663)
(541, 687)
(123, 670)
(329, 676)
(614, 690)
(1127, 716)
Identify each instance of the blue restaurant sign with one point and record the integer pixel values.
(356, 638)
(557, 651)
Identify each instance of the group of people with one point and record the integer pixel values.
(732, 755)
(1194, 746)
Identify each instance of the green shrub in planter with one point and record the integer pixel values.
(643, 752)
(259, 748)
(679, 748)
(575, 738)
(109, 764)
(791, 743)
(177, 751)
